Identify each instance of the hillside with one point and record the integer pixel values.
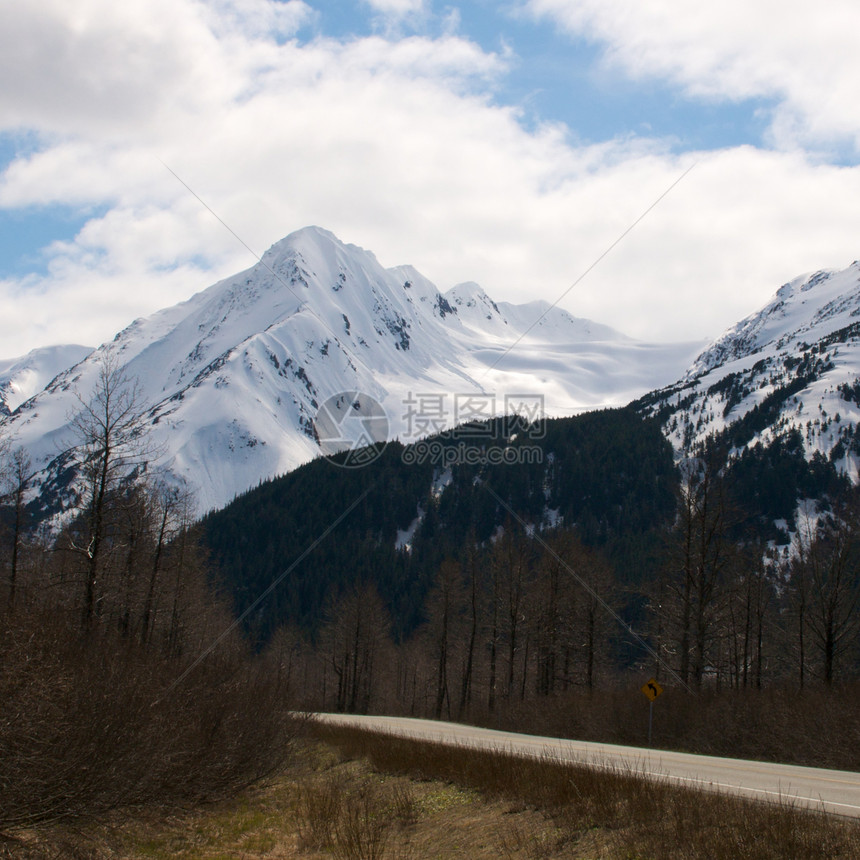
(793, 365)
(777, 396)
(608, 473)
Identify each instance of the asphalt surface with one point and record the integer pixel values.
(835, 791)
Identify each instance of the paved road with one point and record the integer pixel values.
(833, 790)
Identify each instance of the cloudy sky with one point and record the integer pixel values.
(507, 142)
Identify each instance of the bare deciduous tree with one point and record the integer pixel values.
(110, 447)
(693, 591)
(169, 512)
(825, 587)
(444, 604)
(358, 627)
(15, 477)
(751, 593)
(474, 583)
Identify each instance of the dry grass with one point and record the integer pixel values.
(586, 812)
(353, 795)
(323, 806)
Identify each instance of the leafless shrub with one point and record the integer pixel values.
(90, 723)
(350, 824)
(319, 806)
(403, 801)
(361, 831)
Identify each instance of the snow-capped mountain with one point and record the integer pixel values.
(22, 378)
(794, 365)
(234, 378)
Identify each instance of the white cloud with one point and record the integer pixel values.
(393, 17)
(397, 8)
(95, 67)
(259, 18)
(394, 144)
(802, 55)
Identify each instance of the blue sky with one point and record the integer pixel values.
(509, 143)
(558, 77)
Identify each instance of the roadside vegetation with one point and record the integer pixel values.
(355, 795)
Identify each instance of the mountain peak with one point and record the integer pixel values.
(310, 236)
(814, 304)
(474, 306)
(313, 250)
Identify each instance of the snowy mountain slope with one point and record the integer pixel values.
(234, 377)
(538, 319)
(792, 366)
(22, 378)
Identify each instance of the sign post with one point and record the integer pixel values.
(651, 689)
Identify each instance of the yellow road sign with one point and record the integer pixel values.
(652, 689)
